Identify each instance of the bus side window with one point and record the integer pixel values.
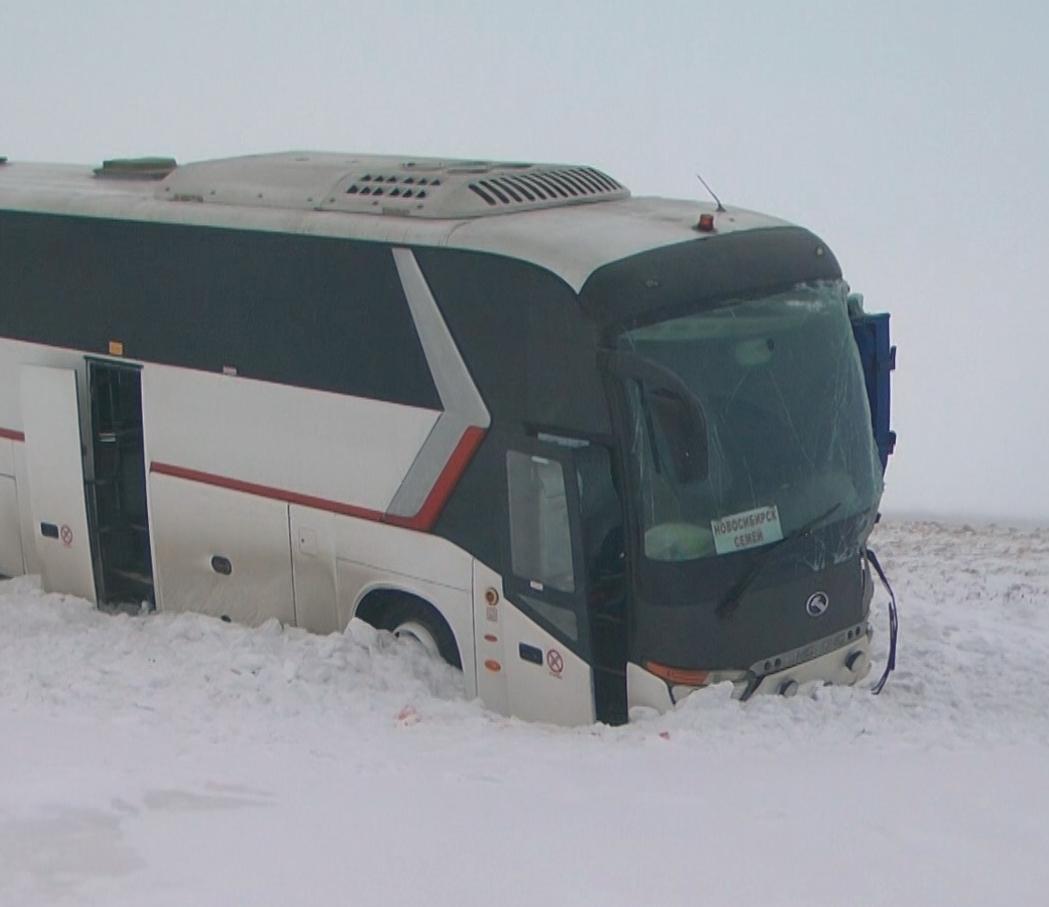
(540, 533)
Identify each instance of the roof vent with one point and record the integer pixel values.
(546, 185)
(387, 185)
(136, 168)
(461, 189)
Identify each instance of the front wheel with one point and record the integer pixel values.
(413, 619)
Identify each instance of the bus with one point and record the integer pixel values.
(597, 451)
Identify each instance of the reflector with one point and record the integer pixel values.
(686, 677)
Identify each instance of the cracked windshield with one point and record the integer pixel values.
(750, 422)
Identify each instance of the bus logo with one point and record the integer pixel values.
(817, 604)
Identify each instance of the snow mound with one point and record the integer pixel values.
(973, 645)
(61, 653)
(176, 759)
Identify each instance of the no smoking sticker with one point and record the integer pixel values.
(555, 661)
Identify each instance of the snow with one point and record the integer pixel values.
(176, 759)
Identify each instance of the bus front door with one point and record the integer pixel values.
(565, 557)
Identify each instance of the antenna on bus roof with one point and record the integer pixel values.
(720, 206)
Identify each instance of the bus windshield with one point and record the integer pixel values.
(779, 435)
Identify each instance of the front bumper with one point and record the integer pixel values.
(836, 660)
(845, 665)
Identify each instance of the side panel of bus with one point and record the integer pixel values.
(266, 497)
(229, 460)
(218, 467)
(230, 457)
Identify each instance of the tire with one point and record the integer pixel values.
(412, 618)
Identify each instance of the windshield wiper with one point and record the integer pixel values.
(735, 595)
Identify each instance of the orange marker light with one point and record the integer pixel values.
(493, 665)
(706, 223)
(683, 676)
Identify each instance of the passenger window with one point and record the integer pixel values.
(540, 536)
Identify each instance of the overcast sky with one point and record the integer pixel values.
(912, 137)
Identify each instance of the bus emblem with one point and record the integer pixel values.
(818, 603)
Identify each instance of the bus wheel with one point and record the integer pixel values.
(412, 629)
(412, 618)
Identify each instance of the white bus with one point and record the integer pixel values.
(598, 451)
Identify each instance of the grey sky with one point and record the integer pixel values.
(911, 136)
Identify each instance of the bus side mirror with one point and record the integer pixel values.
(684, 426)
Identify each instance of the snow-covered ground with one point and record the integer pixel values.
(179, 760)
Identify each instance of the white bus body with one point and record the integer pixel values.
(196, 457)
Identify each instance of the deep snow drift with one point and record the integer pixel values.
(179, 760)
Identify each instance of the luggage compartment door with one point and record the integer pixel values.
(221, 552)
(55, 464)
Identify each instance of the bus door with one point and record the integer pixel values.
(119, 517)
(565, 547)
(55, 465)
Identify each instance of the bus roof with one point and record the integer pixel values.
(568, 219)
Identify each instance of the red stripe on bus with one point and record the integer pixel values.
(263, 491)
(446, 482)
(423, 520)
(12, 435)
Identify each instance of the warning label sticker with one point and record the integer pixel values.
(746, 530)
(555, 661)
